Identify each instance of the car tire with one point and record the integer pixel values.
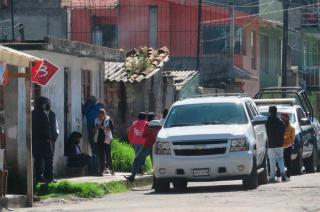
(263, 176)
(251, 181)
(311, 163)
(161, 186)
(298, 163)
(180, 185)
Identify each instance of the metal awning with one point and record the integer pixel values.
(16, 58)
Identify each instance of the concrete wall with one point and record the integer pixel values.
(189, 89)
(40, 18)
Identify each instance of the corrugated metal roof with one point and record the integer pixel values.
(89, 3)
(181, 78)
(116, 72)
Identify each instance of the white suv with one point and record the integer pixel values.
(211, 138)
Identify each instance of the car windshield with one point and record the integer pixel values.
(291, 117)
(206, 114)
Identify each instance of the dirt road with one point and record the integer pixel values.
(301, 194)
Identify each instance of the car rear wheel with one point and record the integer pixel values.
(311, 163)
(161, 186)
(298, 163)
(263, 176)
(180, 185)
(251, 181)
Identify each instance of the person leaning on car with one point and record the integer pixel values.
(275, 131)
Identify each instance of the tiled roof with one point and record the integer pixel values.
(121, 71)
(89, 3)
(181, 78)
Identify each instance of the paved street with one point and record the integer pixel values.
(301, 194)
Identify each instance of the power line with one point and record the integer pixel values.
(258, 14)
(245, 26)
(238, 6)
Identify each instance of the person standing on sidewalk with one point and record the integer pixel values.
(44, 134)
(104, 128)
(90, 111)
(150, 134)
(289, 137)
(275, 131)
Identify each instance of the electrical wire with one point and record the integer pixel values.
(237, 6)
(245, 26)
(265, 13)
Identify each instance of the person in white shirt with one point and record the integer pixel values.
(103, 129)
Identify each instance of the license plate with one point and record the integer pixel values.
(200, 172)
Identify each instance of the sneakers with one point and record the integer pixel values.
(283, 178)
(129, 178)
(272, 180)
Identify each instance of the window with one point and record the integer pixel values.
(253, 45)
(106, 35)
(216, 39)
(153, 26)
(301, 114)
(206, 114)
(86, 85)
(250, 111)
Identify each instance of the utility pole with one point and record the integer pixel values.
(285, 41)
(231, 35)
(199, 33)
(12, 20)
(231, 31)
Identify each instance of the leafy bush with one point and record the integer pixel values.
(123, 156)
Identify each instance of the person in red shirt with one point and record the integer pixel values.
(136, 135)
(150, 135)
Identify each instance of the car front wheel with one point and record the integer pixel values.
(311, 163)
(161, 186)
(251, 181)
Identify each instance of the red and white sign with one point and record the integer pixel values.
(43, 72)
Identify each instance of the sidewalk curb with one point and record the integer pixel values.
(13, 201)
(140, 181)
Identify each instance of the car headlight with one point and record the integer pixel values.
(162, 148)
(239, 144)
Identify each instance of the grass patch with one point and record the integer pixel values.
(84, 190)
(123, 156)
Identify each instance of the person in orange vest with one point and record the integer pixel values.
(289, 136)
(136, 135)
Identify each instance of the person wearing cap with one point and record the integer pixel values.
(44, 134)
(150, 135)
(103, 129)
(289, 136)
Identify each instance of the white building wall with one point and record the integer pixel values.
(55, 92)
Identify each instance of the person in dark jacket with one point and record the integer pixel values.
(76, 158)
(44, 125)
(275, 131)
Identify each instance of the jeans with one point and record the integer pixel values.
(94, 148)
(141, 156)
(276, 156)
(137, 148)
(105, 156)
(287, 159)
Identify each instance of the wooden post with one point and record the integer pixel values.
(29, 137)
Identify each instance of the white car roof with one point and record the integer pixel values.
(205, 100)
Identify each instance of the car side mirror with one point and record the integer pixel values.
(259, 119)
(304, 122)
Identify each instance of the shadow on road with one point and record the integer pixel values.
(203, 189)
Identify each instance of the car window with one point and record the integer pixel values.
(250, 111)
(300, 114)
(253, 109)
(206, 114)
